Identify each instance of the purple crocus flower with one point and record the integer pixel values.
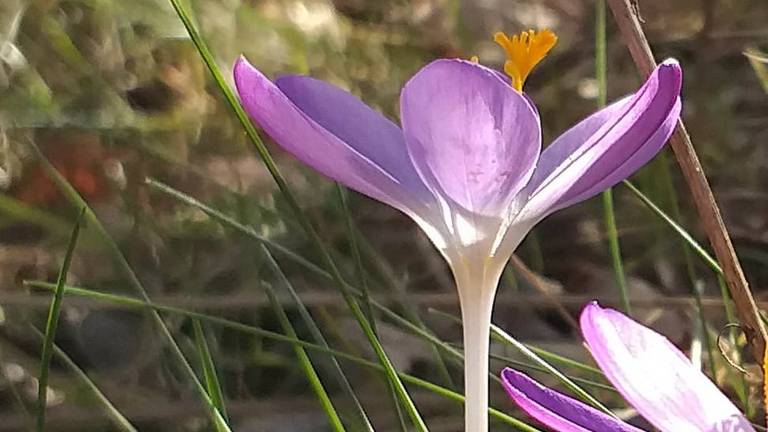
(648, 370)
(467, 164)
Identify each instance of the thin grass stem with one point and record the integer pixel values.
(51, 325)
(609, 213)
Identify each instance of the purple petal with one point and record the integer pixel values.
(348, 153)
(607, 146)
(473, 139)
(655, 377)
(355, 123)
(556, 410)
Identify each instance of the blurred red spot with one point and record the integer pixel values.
(80, 161)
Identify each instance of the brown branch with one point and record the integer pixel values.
(709, 213)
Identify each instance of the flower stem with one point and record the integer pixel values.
(477, 289)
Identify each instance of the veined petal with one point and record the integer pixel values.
(313, 130)
(473, 139)
(607, 146)
(556, 410)
(599, 182)
(355, 123)
(655, 377)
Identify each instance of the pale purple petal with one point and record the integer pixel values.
(655, 377)
(355, 123)
(556, 410)
(324, 143)
(473, 138)
(609, 145)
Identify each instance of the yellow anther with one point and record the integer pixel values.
(524, 52)
(474, 59)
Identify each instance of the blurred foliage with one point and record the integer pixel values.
(113, 92)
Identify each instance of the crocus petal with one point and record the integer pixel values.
(355, 123)
(655, 377)
(608, 146)
(473, 139)
(556, 410)
(323, 142)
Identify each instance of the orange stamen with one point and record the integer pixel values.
(524, 52)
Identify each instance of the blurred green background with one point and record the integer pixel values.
(113, 92)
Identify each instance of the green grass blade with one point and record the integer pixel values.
(410, 310)
(303, 220)
(614, 248)
(241, 227)
(700, 251)
(77, 201)
(551, 370)
(210, 375)
(119, 421)
(363, 281)
(301, 354)
(523, 365)
(256, 331)
(730, 314)
(52, 324)
(564, 361)
(317, 335)
(609, 213)
(357, 258)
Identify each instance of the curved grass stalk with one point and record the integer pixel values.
(301, 353)
(52, 324)
(354, 245)
(209, 369)
(523, 365)
(317, 335)
(609, 214)
(410, 311)
(679, 230)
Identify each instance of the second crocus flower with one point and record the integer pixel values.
(654, 376)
